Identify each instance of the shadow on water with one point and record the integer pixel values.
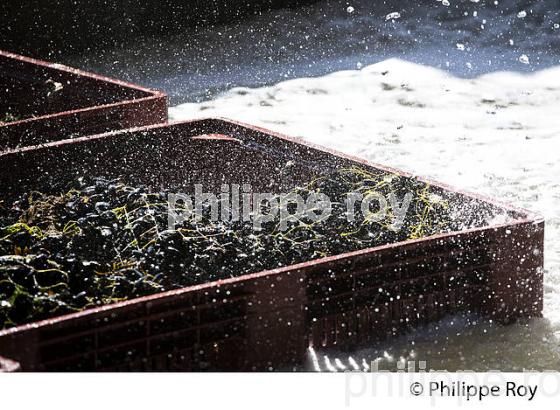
(465, 38)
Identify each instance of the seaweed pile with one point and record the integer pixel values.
(7, 118)
(102, 241)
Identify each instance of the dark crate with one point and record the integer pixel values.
(266, 320)
(56, 102)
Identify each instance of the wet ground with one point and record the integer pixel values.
(466, 93)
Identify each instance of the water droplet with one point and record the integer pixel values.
(393, 16)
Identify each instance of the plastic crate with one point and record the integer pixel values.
(52, 102)
(266, 320)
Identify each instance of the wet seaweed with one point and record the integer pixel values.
(101, 241)
(8, 117)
